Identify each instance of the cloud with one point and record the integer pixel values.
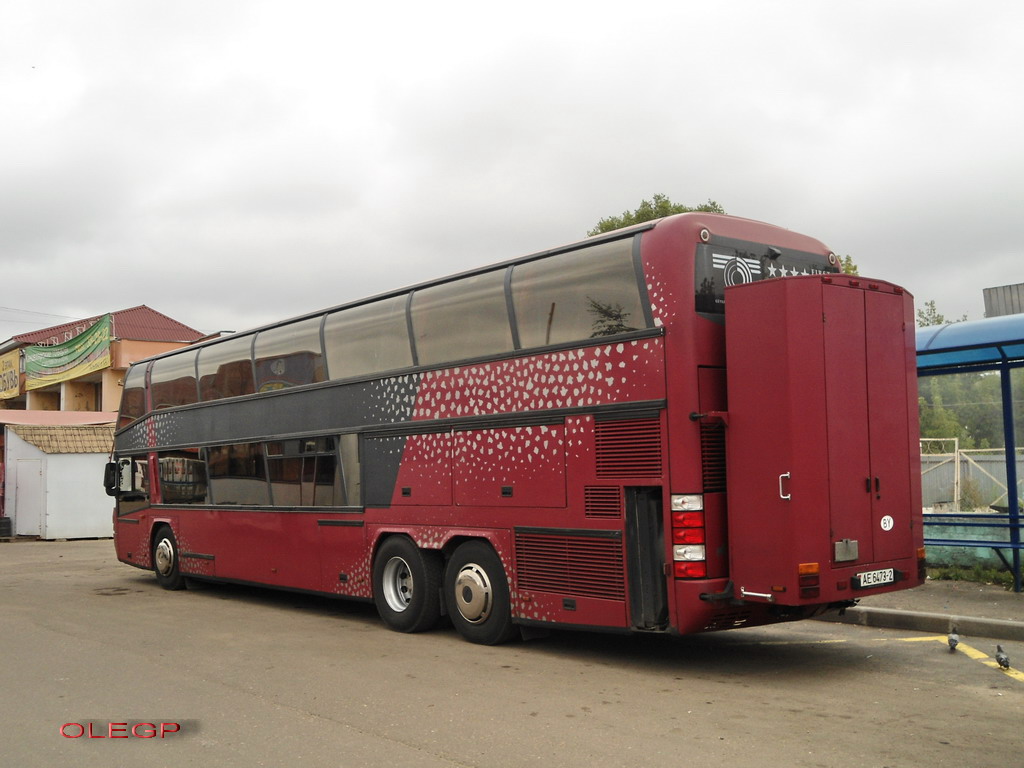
(235, 163)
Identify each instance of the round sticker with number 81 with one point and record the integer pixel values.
(888, 523)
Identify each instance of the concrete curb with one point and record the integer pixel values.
(934, 623)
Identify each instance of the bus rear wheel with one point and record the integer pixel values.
(165, 559)
(407, 585)
(476, 591)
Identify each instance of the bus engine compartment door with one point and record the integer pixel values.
(823, 485)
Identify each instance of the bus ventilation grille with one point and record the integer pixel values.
(712, 457)
(729, 620)
(566, 565)
(602, 503)
(628, 448)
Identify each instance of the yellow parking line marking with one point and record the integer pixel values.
(793, 642)
(971, 653)
(967, 650)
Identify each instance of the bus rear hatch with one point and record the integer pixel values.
(823, 461)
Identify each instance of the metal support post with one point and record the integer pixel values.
(1011, 471)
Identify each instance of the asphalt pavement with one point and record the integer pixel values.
(976, 610)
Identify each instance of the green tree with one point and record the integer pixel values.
(848, 266)
(962, 405)
(609, 319)
(655, 208)
(929, 315)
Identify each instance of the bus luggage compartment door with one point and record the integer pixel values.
(822, 484)
(645, 546)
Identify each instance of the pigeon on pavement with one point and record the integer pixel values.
(1001, 658)
(953, 639)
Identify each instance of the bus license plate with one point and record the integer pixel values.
(874, 578)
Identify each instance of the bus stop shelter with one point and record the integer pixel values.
(992, 344)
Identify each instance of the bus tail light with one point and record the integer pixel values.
(691, 570)
(809, 579)
(687, 502)
(688, 537)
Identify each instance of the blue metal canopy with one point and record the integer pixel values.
(993, 340)
(995, 343)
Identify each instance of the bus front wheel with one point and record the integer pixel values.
(476, 591)
(406, 585)
(165, 559)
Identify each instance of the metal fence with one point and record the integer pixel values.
(967, 516)
(964, 480)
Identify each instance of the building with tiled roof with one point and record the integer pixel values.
(52, 488)
(95, 438)
(60, 389)
(139, 323)
(80, 366)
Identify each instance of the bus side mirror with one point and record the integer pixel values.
(110, 477)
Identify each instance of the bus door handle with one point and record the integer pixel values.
(878, 486)
(782, 492)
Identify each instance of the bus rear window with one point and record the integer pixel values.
(133, 398)
(576, 296)
(225, 369)
(289, 356)
(462, 319)
(735, 263)
(173, 381)
(367, 339)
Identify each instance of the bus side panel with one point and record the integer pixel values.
(129, 541)
(262, 547)
(344, 556)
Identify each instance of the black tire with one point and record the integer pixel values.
(165, 559)
(476, 594)
(407, 585)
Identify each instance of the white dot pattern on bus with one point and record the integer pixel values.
(578, 378)
(598, 375)
(664, 302)
(391, 400)
(493, 454)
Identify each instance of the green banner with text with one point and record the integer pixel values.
(85, 353)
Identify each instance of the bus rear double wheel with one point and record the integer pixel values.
(477, 595)
(407, 585)
(407, 589)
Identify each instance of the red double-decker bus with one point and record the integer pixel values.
(689, 425)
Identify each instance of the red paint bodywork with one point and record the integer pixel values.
(797, 400)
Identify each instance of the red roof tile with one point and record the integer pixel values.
(138, 324)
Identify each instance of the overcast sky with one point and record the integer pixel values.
(235, 163)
